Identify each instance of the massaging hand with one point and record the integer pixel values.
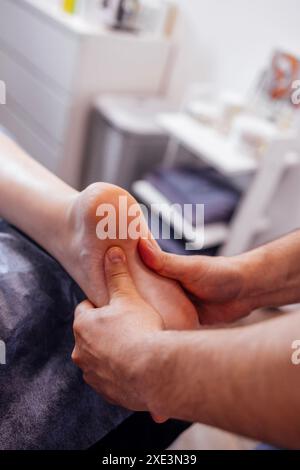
(216, 284)
(64, 222)
(108, 339)
(83, 258)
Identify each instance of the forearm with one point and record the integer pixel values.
(32, 198)
(240, 380)
(271, 274)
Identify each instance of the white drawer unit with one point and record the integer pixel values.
(54, 65)
(37, 37)
(46, 108)
(31, 139)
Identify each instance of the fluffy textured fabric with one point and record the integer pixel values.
(44, 403)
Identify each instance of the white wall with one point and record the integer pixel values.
(229, 41)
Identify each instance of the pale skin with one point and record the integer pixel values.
(241, 380)
(63, 221)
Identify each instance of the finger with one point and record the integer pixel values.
(118, 279)
(83, 308)
(159, 419)
(165, 264)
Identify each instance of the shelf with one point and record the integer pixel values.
(79, 25)
(214, 234)
(207, 144)
(53, 13)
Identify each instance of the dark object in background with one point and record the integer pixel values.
(173, 245)
(189, 185)
(141, 433)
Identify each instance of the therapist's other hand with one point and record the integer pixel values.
(111, 342)
(216, 284)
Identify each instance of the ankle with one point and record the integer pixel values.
(61, 240)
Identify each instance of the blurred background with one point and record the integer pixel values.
(177, 101)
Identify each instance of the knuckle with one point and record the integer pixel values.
(79, 310)
(119, 275)
(126, 295)
(78, 325)
(80, 307)
(76, 357)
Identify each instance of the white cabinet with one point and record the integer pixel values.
(54, 65)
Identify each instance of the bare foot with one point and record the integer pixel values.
(85, 254)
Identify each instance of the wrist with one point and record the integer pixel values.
(156, 371)
(255, 277)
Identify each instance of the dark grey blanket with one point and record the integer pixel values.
(189, 185)
(44, 403)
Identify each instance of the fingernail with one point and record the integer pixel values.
(116, 255)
